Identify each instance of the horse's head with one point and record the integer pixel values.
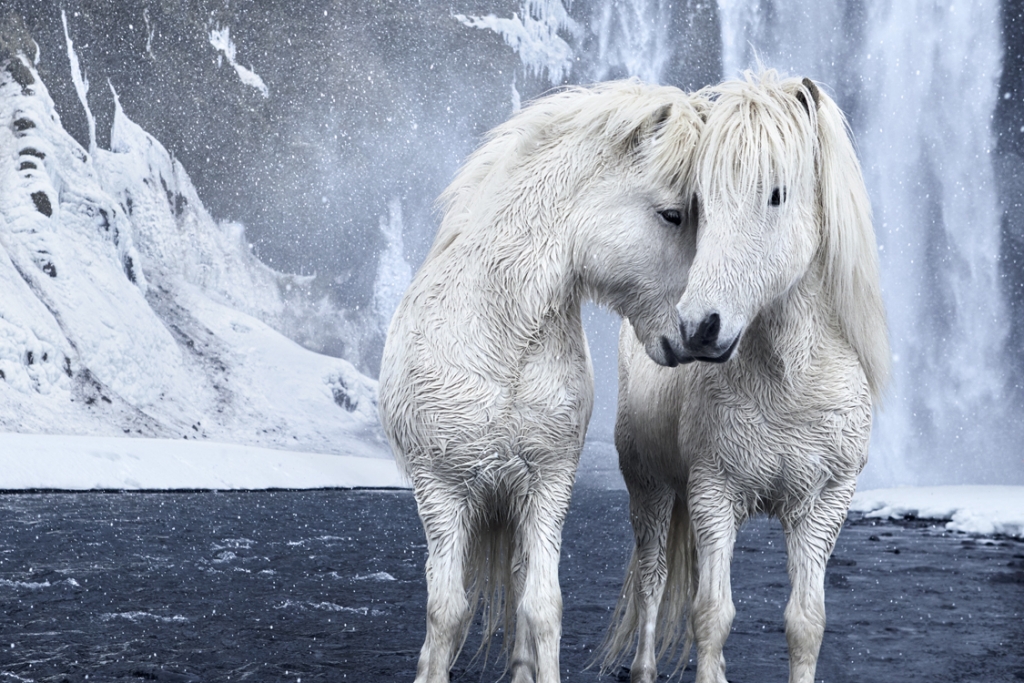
(637, 224)
(758, 230)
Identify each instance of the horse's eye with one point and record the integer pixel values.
(672, 216)
(778, 196)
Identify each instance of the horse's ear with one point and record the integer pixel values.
(649, 127)
(813, 90)
(658, 118)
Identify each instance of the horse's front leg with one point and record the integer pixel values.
(714, 525)
(539, 612)
(809, 541)
(448, 613)
(650, 508)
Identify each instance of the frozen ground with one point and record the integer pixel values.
(72, 463)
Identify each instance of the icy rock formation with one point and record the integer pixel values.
(126, 309)
(535, 36)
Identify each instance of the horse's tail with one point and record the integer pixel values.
(490, 586)
(674, 633)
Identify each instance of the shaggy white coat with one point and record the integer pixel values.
(782, 427)
(486, 385)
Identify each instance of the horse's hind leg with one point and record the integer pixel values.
(650, 509)
(447, 604)
(809, 542)
(539, 611)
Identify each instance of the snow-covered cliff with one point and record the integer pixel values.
(125, 309)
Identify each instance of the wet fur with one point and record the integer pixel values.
(782, 427)
(486, 385)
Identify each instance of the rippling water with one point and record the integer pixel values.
(328, 586)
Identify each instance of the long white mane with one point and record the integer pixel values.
(596, 125)
(775, 128)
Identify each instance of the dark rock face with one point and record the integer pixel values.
(42, 202)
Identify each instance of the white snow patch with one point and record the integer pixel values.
(326, 606)
(220, 39)
(80, 81)
(126, 309)
(984, 510)
(74, 463)
(236, 543)
(322, 539)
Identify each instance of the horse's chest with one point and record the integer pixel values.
(779, 444)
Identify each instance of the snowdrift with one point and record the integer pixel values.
(981, 510)
(83, 463)
(126, 310)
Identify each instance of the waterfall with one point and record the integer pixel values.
(393, 272)
(930, 76)
(632, 39)
(919, 80)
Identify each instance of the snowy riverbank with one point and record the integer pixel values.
(983, 510)
(81, 463)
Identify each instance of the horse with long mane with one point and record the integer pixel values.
(486, 386)
(783, 304)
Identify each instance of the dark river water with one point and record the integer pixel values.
(328, 586)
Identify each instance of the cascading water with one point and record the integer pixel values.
(919, 80)
(795, 34)
(632, 39)
(394, 274)
(929, 96)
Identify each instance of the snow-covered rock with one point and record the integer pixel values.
(984, 510)
(125, 309)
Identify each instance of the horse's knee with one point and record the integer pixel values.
(541, 614)
(712, 619)
(805, 621)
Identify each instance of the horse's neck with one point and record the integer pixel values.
(516, 260)
(526, 288)
(788, 338)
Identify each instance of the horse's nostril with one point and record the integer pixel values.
(707, 333)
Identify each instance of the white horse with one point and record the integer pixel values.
(785, 283)
(486, 384)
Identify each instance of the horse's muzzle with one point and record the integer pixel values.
(723, 356)
(704, 344)
(673, 356)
